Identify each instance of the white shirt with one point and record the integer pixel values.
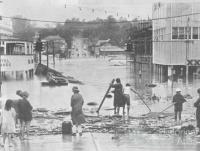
(127, 90)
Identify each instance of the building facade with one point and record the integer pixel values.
(16, 59)
(57, 45)
(176, 37)
(141, 56)
(16, 56)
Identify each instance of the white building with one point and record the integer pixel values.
(16, 56)
(176, 37)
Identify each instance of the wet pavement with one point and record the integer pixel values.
(105, 142)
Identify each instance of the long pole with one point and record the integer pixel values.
(187, 49)
(53, 53)
(47, 55)
(0, 76)
(141, 99)
(105, 97)
(166, 108)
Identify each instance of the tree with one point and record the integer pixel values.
(22, 28)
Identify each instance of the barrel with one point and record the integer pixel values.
(66, 127)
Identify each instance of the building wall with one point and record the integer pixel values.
(16, 62)
(170, 35)
(19, 47)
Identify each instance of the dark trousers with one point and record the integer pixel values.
(178, 113)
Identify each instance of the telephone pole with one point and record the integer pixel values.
(187, 51)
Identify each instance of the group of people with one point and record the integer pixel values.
(14, 112)
(121, 96)
(20, 110)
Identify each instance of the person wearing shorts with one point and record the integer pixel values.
(127, 97)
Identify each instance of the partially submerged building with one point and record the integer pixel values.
(16, 56)
(140, 57)
(176, 38)
(57, 45)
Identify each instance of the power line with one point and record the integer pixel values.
(100, 22)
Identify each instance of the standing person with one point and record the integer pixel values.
(118, 96)
(127, 91)
(8, 121)
(24, 114)
(178, 101)
(77, 113)
(15, 106)
(197, 105)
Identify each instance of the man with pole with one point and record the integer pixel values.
(178, 101)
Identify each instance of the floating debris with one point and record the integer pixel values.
(92, 103)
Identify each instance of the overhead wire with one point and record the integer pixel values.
(100, 22)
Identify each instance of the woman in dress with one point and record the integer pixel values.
(118, 96)
(77, 113)
(8, 121)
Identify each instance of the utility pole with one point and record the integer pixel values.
(53, 53)
(187, 50)
(0, 76)
(47, 55)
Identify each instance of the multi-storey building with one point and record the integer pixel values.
(16, 56)
(176, 38)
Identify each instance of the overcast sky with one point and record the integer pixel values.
(60, 10)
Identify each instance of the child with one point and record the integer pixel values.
(127, 97)
(8, 121)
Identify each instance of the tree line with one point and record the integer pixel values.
(99, 29)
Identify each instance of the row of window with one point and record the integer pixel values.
(5, 60)
(5, 65)
(30, 61)
(1, 42)
(9, 64)
(186, 33)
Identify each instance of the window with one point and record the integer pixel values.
(195, 33)
(175, 33)
(188, 32)
(181, 33)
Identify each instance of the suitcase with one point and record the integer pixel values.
(66, 127)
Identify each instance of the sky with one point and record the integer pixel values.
(60, 10)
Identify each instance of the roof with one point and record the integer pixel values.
(101, 42)
(15, 39)
(111, 48)
(54, 37)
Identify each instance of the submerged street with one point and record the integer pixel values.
(103, 142)
(99, 75)
(96, 74)
(89, 71)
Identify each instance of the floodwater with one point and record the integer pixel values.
(103, 142)
(96, 74)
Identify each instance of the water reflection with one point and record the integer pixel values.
(67, 138)
(25, 146)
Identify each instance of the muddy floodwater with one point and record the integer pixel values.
(96, 74)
